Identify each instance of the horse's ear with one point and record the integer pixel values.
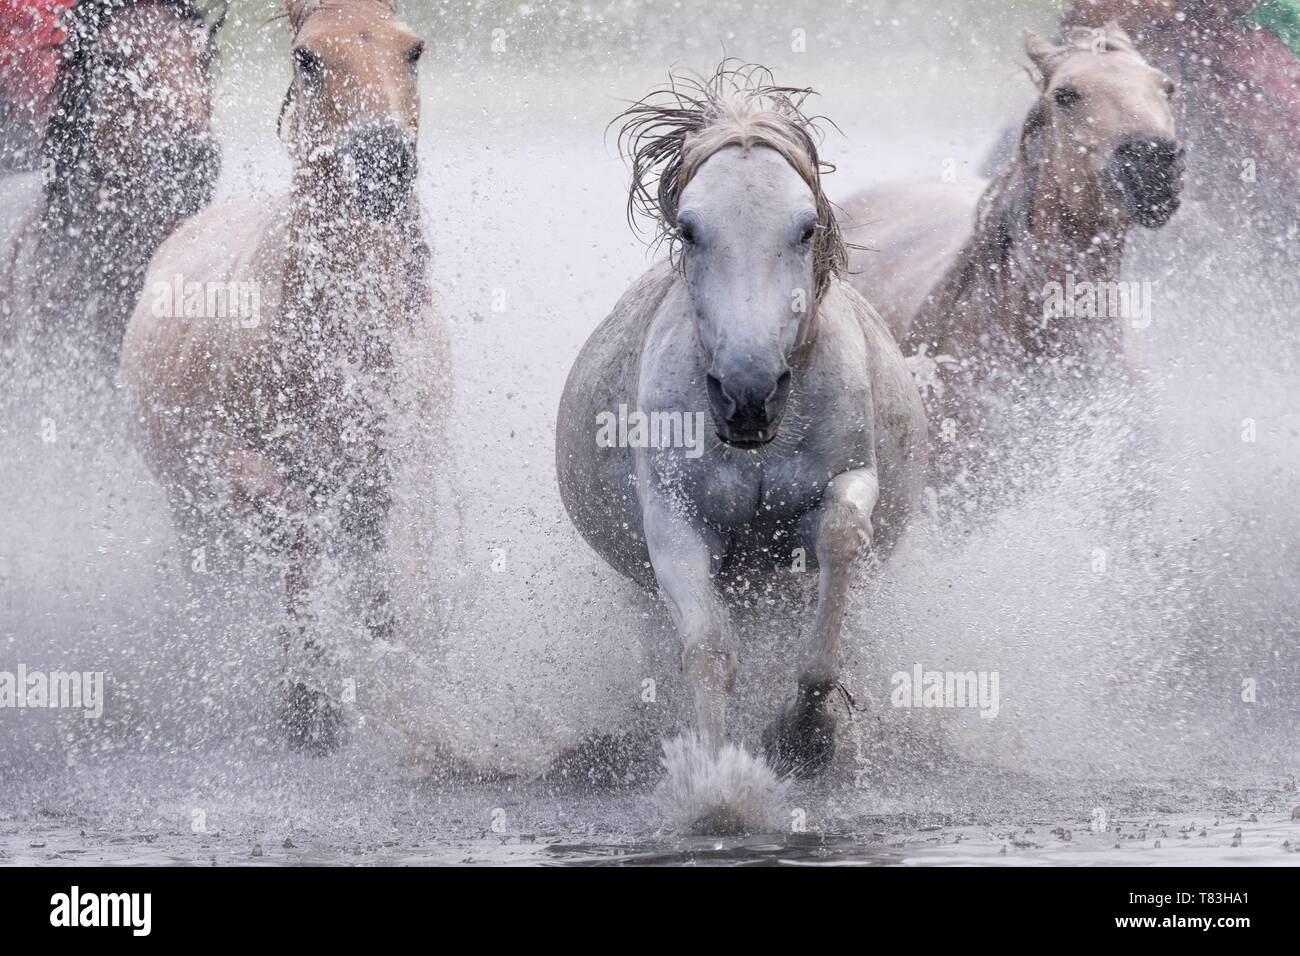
(1116, 35)
(299, 10)
(1042, 54)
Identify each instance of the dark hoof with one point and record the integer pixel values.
(313, 723)
(721, 822)
(801, 742)
(608, 762)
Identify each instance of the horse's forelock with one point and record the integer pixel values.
(1111, 38)
(300, 11)
(672, 132)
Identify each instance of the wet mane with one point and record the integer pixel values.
(66, 145)
(668, 135)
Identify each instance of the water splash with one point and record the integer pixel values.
(724, 793)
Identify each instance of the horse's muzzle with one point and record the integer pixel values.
(746, 414)
(1149, 176)
(379, 164)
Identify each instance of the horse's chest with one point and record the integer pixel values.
(745, 490)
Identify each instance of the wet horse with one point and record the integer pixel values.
(128, 154)
(972, 279)
(280, 417)
(813, 437)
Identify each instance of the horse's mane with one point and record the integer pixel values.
(66, 144)
(1006, 209)
(667, 135)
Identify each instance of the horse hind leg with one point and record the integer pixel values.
(801, 741)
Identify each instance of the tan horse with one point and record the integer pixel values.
(972, 279)
(283, 412)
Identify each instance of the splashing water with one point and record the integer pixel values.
(1122, 647)
(730, 792)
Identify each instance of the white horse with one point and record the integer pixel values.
(283, 414)
(813, 434)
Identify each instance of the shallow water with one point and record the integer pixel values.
(1121, 688)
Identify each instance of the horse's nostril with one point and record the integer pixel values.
(775, 400)
(1144, 159)
(382, 165)
(719, 398)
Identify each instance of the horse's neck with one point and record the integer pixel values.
(93, 248)
(1057, 243)
(994, 294)
(353, 282)
(93, 220)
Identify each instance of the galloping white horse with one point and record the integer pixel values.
(284, 416)
(815, 435)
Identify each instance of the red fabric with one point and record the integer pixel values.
(29, 39)
(1262, 58)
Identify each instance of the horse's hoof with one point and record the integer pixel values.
(801, 742)
(313, 722)
(623, 761)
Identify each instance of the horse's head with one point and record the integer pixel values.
(1106, 128)
(352, 112)
(737, 192)
(133, 104)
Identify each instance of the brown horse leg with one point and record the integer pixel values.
(313, 717)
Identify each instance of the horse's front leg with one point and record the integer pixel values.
(682, 557)
(802, 739)
(313, 718)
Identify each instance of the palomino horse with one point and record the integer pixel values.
(817, 435)
(282, 413)
(129, 154)
(973, 286)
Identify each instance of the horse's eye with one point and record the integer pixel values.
(1169, 88)
(687, 231)
(1066, 96)
(414, 54)
(806, 236)
(310, 65)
